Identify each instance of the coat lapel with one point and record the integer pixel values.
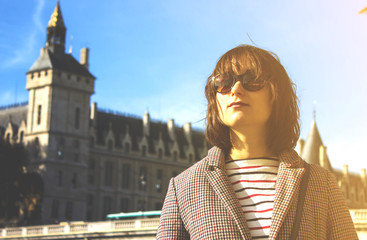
(223, 188)
(288, 182)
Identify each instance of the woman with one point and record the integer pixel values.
(252, 184)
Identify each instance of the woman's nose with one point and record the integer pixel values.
(237, 88)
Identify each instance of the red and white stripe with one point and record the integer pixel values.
(253, 181)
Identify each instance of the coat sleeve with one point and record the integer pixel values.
(340, 222)
(170, 223)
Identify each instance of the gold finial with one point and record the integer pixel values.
(56, 17)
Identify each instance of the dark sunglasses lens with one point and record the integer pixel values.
(251, 83)
(222, 83)
(254, 85)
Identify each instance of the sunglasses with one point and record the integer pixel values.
(223, 83)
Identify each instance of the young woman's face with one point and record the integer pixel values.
(240, 109)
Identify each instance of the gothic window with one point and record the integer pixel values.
(91, 142)
(124, 205)
(74, 181)
(37, 147)
(90, 204)
(55, 209)
(144, 150)
(60, 148)
(69, 210)
(108, 174)
(109, 144)
(59, 178)
(141, 205)
(175, 156)
(127, 147)
(21, 136)
(125, 176)
(107, 206)
(77, 117)
(8, 137)
(159, 174)
(39, 114)
(143, 179)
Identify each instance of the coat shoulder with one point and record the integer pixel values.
(193, 173)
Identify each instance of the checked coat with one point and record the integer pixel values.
(201, 204)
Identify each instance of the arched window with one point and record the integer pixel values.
(8, 137)
(21, 136)
(127, 147)
(39, 111)
(110, 144)
(77, 117)
(144, 150)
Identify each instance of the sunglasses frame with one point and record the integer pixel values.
(245, 79)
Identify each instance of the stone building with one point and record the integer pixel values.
(354, 186)
(94, 161)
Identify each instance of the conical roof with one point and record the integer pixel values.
(56, 19)
(311, 149)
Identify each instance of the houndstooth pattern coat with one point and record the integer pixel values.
(201, 204)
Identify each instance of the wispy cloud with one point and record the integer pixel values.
(21, 54)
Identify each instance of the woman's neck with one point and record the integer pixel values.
(251, 144)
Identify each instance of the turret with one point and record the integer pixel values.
(56, 31)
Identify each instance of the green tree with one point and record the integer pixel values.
(20, 191)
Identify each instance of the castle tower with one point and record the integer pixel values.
(57, 124)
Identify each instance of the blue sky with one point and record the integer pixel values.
(156, 55)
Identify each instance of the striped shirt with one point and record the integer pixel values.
(253, 181)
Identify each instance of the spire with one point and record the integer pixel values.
(56, 30)
(311, 152)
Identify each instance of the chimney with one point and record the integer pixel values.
(171, 129)
(345, 171)
(146, 124)
(187, 130)
(322, 156)
(301, 144)
(363, 175)
(84, 57)
(93, 113)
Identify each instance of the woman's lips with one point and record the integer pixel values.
(237, 104)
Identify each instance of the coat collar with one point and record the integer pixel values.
(289, 177)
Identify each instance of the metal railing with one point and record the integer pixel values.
(72, 228)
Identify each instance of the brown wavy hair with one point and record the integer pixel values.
(283, 123)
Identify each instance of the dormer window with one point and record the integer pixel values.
(109, 144)
(127, 147)
(160, 153)
(175, 156)
(144, 151)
